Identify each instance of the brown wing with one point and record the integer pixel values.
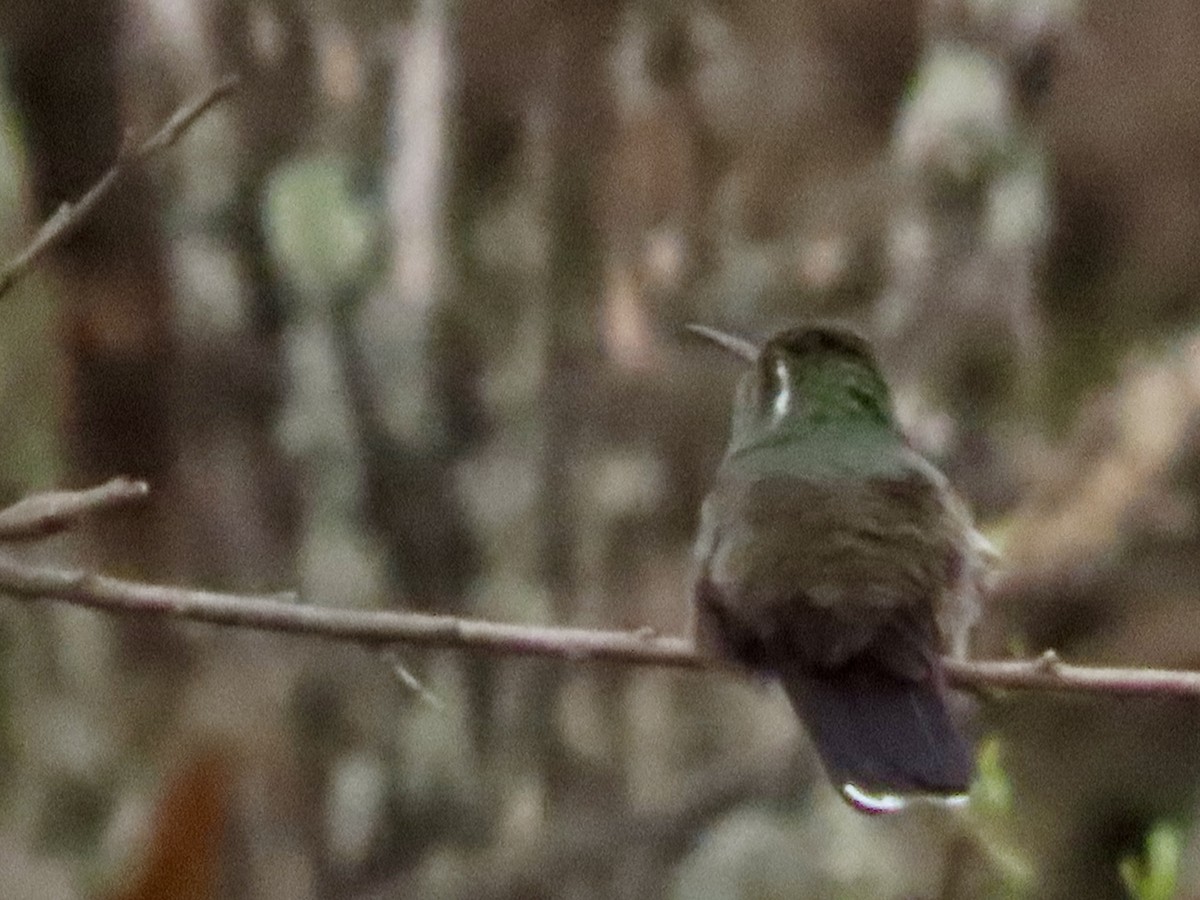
(821, 571)
(833, 585)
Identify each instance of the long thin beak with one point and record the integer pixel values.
(736, 345)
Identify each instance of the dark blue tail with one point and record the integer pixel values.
(880, 733)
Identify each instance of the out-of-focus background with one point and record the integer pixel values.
(399, 326)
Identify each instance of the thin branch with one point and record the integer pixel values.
(68, 216)
(634, 648)
(1049, 673)
(368, 628)
(42, 515)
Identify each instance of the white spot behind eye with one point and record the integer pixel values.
(783, 399)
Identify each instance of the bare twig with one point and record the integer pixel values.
(42, 515)
(637, 648)
(1035, 675)
(372, 629)
(68, 216)
(410, 681)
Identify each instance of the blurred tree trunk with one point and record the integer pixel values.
(116, 329)
(194, 414)
(577, 94)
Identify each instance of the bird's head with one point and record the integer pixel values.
(804, 377)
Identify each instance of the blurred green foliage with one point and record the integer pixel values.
(1153, 874)
(322, 233)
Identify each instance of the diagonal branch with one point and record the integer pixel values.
(41, 515)
(68, 216)
(281, 613)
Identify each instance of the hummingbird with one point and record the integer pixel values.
(835, 558)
